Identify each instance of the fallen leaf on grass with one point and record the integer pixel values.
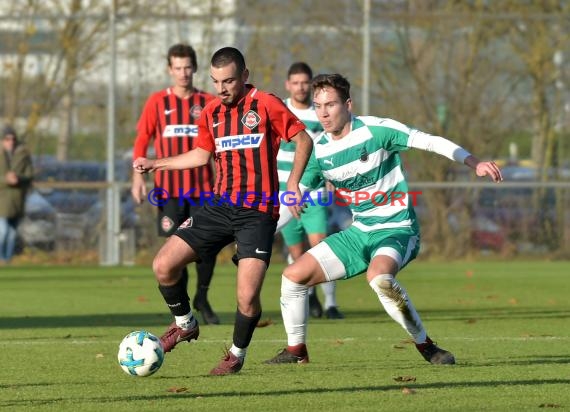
(471, 321)
(397, 347)
(99, 355)
(142, 299)
(408, 391)
(339, 342)
(549, 405)
(513, 301)
(175, 389)
(405, 379)
(264, 323)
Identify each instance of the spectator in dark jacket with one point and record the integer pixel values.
(16, 174)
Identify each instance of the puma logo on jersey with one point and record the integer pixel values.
(328, 162)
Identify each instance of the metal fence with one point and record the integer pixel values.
(65, 222)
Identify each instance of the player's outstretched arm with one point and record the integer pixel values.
(449, 149)
(193, 158)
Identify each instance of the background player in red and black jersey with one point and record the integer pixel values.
(242, 129)
(170, 117)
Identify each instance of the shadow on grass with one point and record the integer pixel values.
(140, 320)
(563, 359)
(349, 390)
(470, 314)
(227, 318)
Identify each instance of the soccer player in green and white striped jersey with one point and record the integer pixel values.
(360, 154)
(313, 222)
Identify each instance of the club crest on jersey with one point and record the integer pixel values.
(240, 141)
(166, 224)
(195, 111)
(187, 223)
(363, 155)
(250, 119)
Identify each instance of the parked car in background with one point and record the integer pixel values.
(37, 228)
(523, 210)
(67, 207)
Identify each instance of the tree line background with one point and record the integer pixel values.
(485, 74)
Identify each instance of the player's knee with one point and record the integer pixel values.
(297, 273)
(249, 304)
(382, 283)
(162, 270)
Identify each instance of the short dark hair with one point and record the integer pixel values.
(183, 50)
(228, 55)
(300, 68)
(9, 131)
(335, 81)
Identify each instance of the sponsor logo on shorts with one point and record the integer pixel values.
(166, 223)
(187, 223)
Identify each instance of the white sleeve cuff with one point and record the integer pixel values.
(437, 144)
(285, 215)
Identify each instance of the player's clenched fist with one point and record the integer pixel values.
(143, 165)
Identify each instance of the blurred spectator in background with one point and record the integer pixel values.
(16, 174)
(170, 117)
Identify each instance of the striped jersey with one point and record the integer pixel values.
(366, 168)
(287, 149)
(172, 122)
(245, 138)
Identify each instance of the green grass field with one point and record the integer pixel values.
(508, 325)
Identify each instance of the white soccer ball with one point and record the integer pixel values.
(140, 353)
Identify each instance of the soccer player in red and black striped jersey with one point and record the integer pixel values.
(242, 130)
(170, 117)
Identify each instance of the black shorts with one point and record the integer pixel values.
(212, 228)
(173, 214)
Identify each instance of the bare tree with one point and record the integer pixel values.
(76, 37)
(450, 84)
(536, 41)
